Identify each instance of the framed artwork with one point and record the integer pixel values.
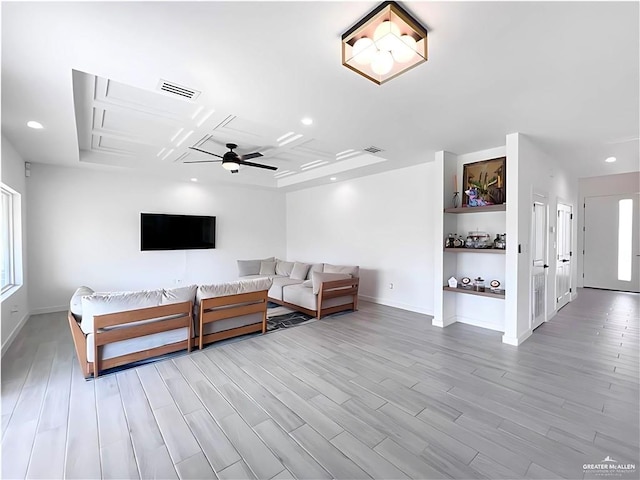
(484, 183)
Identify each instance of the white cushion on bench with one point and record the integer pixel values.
(138, 344)
(101, 303)
(232, 288)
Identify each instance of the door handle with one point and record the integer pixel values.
(545, 266)
(564, 261)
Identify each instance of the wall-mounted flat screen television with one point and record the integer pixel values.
(176, 232)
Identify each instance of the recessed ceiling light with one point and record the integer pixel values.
(34, 124)
(307, 121)
(333, 179)
(610, 159)
(194, 179)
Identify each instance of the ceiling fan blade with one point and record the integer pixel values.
(204, 161)
(259, 165)
(204, 151)
(249, 156)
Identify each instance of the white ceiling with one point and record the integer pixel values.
(567, 74)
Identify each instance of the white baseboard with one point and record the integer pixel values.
(38, 311)
(9, 340)
(480, 323)
(449, 321)
(515, 341)
(391, 303)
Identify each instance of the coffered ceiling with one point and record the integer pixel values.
(92, 73)
(124, 126)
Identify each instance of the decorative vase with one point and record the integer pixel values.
(456, 199)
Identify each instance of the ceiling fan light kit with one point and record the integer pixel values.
(384, 44)
(231, 160)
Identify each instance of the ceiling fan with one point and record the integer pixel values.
(231, 160)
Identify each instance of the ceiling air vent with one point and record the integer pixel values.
(178, 90)
(373, 149)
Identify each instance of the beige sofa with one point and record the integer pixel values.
(316, 289)
(117, 328)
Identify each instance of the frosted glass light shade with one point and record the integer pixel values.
(382, 62)
(230, 165)
(405, 50)
(363, 51)
(386, 35)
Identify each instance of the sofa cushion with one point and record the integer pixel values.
(229, 323)
(315, 267)
(354, 271)
(300, 296)
(232, 288)
(139, 344)
(284, 268)
(304, 297)
(308, 283)
(299, 271)
(267, 268)
(179, 294)
(101, 303)
(251, 267)
(319, 278)
(75, 305)
(278, 284)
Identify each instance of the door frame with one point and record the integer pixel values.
(573, 261)
(540, 198)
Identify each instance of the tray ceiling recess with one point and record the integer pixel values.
(125, 126)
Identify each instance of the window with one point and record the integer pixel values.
(625, 239)
(10, 237)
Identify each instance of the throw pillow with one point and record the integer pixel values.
(284, 268)
(318, 278)
(75, 305)
(299, 271)
(251, 267)
(267, 268)
(316, 267)
(354, 271)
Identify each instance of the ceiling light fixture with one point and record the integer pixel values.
(333, 179)
(307, 121)
(384, 44)
(230, 165)
(194, 179)
(611, 159)
(34, 124)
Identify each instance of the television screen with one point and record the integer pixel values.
(176, 232)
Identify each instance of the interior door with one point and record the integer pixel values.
(539, 262)
(564, 255)
(611, 252)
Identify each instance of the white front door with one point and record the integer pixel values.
(539, 263)
(564, 255)
(611, 255)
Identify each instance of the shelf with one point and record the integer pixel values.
(488, 208)
(476, 250)
(473, 292)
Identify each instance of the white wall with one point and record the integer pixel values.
(85, 230)
(620, 184)
(382, 223)
(539, 174)
(15, 308)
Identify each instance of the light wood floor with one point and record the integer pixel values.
(377, 393)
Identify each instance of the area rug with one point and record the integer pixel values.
(282, 317)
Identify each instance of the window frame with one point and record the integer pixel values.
(14, 239)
